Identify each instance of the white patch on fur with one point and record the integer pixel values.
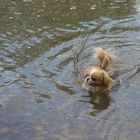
(86, 86)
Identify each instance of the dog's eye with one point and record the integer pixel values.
(93, 79)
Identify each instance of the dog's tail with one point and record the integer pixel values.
(105, 56)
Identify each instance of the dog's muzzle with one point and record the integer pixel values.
(89, 81)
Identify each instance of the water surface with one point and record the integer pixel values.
(40, 74)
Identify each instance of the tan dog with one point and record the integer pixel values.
(97, 77)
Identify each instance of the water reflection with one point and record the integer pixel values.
(100, 101)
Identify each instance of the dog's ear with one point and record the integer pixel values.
(108, 81)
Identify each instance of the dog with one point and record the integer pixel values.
(98, 77)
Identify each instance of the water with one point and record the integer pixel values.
(40, 89)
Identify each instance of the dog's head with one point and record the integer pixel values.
(97, 77)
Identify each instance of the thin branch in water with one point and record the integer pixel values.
(77, 52)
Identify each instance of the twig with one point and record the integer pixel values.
(77, 52)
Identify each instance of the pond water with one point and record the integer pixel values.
(40, 87)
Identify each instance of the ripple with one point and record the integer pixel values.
(64, 88)
(40, 89)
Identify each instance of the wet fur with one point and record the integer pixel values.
(97, 77)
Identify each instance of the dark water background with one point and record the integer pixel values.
(40, 90)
